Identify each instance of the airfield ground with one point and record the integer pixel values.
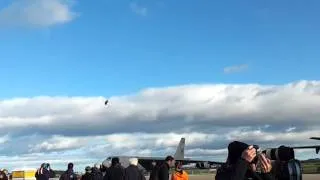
(211, 177)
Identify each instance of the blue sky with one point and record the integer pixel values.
(108, 48)
(252, 64)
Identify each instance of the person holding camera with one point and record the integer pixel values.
(242, 164)
(44, 172)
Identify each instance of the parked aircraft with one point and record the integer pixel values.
(147, 163)
(316, 147)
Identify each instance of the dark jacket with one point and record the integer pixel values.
(3, 176)
(163, 173)
(96, 174)
(133, 173)
(44, 174)
(86, 176)
(115, 172)
(240, 171)
(154, 173)
(68, 175)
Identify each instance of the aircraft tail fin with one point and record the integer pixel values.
(179, 155)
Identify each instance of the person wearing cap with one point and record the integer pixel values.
(87, 174)
(132, 172)
(69, 173)
(179, 173)
(241, 164)
(115, 171)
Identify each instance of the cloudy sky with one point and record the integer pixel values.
(211, 72)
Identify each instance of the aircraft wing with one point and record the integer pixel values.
(315, 138)
(188, 160)
(317, 148)
(147, 162)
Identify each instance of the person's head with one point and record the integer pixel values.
(70, 166)
(170, 161)
(42, 165)
(88, 169)
(235, 150)
(97, 166)
(154, 163)
(178, 166)
(115, 161)
(46, 166)
(133, 161)
(106, 164)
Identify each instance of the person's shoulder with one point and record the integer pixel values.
(131, 167)
(121, 167)
(162, 166)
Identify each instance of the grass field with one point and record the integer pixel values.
(311, 168)
(308, 168)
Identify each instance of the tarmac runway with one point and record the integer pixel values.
(211, 177)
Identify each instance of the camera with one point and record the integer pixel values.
(282, 153)
(286, 167)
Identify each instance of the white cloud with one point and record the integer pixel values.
(191, 106)
(4, 139)
(36, 13)
(291, 129)
(35, 160)
(209, 146)
(152, 122)
(57, 143)
(235, 69)
(138, 9)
